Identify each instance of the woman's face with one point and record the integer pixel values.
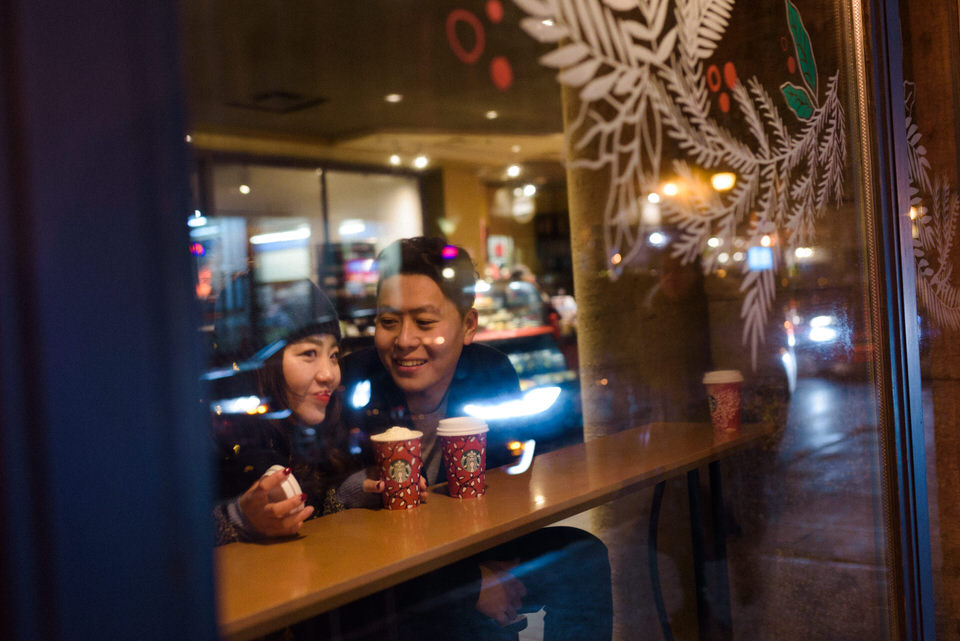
(311, 372)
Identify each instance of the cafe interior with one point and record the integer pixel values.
(650, 190)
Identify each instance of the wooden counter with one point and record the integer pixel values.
(342, 557)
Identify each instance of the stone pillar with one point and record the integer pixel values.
(643, 346)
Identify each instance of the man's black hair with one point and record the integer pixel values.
(447, 265)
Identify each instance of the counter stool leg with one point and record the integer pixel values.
(699, 572)
(653, 564)
(722, 588)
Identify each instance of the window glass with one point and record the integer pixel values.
(649, 192)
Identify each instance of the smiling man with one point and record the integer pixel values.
(425, 366)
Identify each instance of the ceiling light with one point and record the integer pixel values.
(352, 227)
(421, 161)
(513, 171)
(301, 233)
(393, 97)
(657, 239)
(653, 197)
(723, 181)
(670, 189)
(515, 149)
(492, 115)
(547, 22)
(188, 138)
(529, 190)
(395, 160)
(713, 241)
(244, 189)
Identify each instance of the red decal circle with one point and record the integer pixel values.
(501, 73)
(724, 101)
(462, 15)
(494, 11)
(713, 78)
(730, 75)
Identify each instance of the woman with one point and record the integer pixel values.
(300, 377)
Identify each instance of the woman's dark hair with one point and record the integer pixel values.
(447, 265)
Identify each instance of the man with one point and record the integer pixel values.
(425, 366)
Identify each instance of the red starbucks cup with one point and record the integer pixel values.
(398, 454)
(723, 395)
(463, 441)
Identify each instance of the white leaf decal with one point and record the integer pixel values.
(541, 32)
(565, 56)
(535, 7)
(621, 5)
(626, 82)
(599, 87)
(579, 75)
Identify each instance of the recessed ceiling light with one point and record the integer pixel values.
(492, 115)
(515, 149)
(393, 97)
(244, 189)
(421, 161)
(723, 181)
(513, 171)
(188, 138)
(395, 160)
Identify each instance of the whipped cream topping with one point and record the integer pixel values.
(397, 433)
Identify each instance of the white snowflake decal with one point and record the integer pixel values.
(639, 80)
(934, 228)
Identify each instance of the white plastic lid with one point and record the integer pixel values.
(461, 426)
(723, 376)
(396, 433)
(288, 489)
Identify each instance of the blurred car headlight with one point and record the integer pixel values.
(534, 401)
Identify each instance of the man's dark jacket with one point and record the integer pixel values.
(483, 376)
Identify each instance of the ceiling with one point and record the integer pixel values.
(309, 77)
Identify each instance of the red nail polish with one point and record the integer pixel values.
(286, 470)
(303, 497)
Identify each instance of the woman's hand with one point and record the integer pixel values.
(376, 487)
(501, 593)
(273, 519)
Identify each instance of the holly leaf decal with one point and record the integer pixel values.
(801, 43)
(798, 100)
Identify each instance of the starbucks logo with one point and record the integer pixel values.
(399, 471)
(470, 461)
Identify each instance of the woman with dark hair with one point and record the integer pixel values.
(303, 436)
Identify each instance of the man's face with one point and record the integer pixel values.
(419, 337)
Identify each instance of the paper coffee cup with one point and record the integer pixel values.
(398, 454)
(463, 441)
(723, 395)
